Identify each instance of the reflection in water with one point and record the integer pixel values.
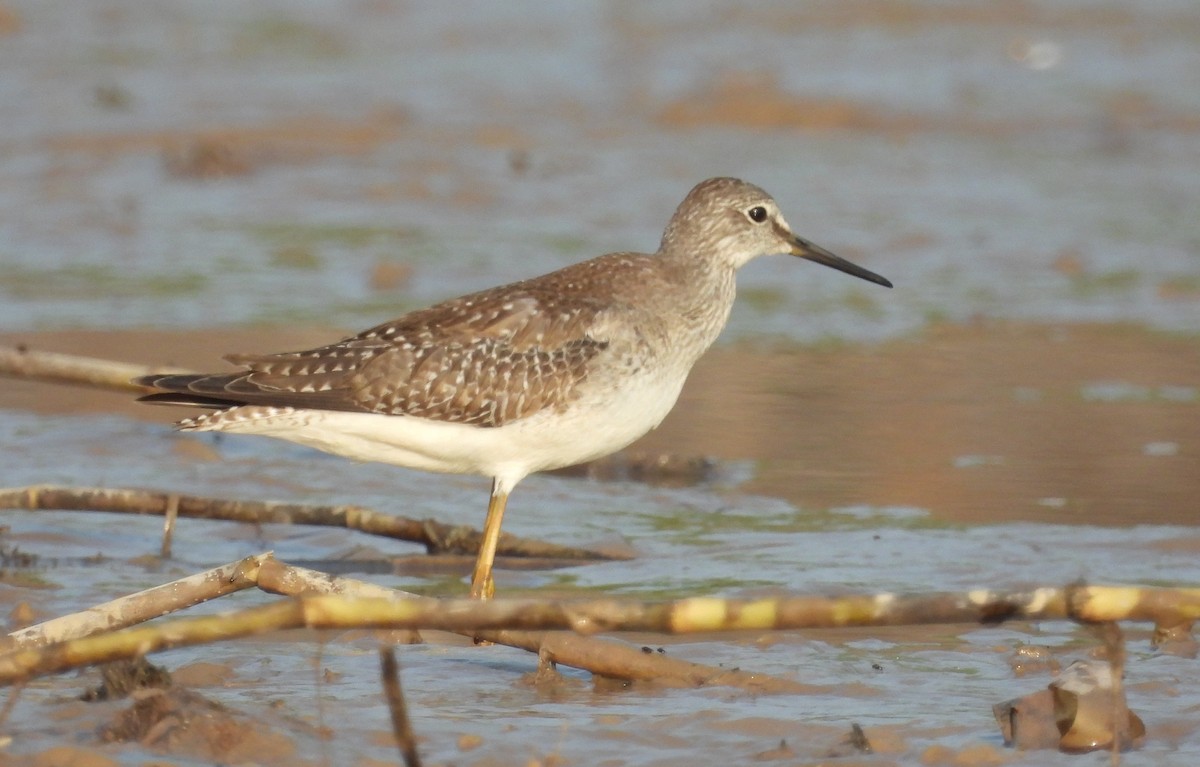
(941, 423)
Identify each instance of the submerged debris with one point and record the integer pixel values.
(1175, 640)
(659, 469)
(1080, 711)
(181, 722)
(121, 678)
(1033, 659)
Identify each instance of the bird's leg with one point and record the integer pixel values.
(482, 586)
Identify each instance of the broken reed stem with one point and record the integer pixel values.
(603, 657)
(591, 616)
(703, 614)
(144, 605)
(389, 670)
(11, 702)
(22, 362)
(1114, 648)
(600, 656)
(169, 516)
(437, 537)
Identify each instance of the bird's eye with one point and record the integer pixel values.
(757, 214)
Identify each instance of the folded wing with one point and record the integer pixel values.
(486, 359)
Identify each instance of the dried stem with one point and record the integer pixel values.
(603, 657)
(21, 362)
(144, 605)
(11, 701)
(501, 616)
(170, 514)
(389, 670)
(437, 537)
(1114, 645)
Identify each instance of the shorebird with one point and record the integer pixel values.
(536, 375)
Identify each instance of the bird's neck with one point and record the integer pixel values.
(704, 294)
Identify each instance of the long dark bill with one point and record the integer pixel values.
(805, 249)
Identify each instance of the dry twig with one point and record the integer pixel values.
(21, 362)
(389, 670)
(438, 538)
(591, 616)
(604, 657)
(144, 605)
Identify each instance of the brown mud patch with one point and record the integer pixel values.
(1080, 424)
(755, 100)
(286, 141)
(180, 722)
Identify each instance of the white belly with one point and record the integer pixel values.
(592, 427)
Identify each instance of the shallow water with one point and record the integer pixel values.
(911, 689)
(222, 164)
(694, 540)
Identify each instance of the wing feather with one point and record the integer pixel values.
(487, 359)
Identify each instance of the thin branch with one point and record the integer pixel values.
(604, 657)
(389, 671)
(170, 514)
(22, 362)
(1119, 716)
(437, 537)
(144, 605)
(601, 656)
(591, 616)
(11, 702)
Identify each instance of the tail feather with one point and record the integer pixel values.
(189, 400)
(233, 389)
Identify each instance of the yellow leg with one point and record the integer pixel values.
(482, 586)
